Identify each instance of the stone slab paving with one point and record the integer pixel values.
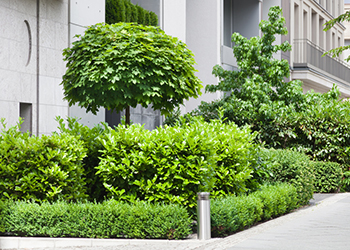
(324, 225)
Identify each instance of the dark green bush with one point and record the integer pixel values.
(172, 164)
(291, 167)
(109, 219)
(232, 214)
(328, 176)
(40, 168)
(89, 138)
(124, 11)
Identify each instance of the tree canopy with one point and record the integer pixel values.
(124, 64)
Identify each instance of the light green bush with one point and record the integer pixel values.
(172, 164)
(40, 168)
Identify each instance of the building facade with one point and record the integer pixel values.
(33, 34)
(206, 27)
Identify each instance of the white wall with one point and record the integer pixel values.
(203, 38)
(83, 13)
(18, 70)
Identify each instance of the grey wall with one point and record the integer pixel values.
(29, 73)
(203, 38)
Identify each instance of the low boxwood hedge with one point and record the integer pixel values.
(109, 219)
(232, 214)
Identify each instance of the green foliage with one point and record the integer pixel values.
(277, 199)
(328, 176)
(124, 64)
(90, 140)
(124, 11)
(172, 164)
(109, 219)
(232, 214)
(291, 167)
(345, 17)
(40, 168)
(324, 129)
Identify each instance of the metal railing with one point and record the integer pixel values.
(307, 53)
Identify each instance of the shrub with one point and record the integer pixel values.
(89, 138)
(40, 168)
(232, 214)
(109, 219)
(328, 176)
(277, 199)
(172, 164)
(291, 167)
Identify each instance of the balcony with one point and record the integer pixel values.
(309, 55)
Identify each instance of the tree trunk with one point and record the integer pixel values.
(127, 116)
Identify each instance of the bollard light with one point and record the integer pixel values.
(203, 216)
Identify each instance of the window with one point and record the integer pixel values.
(228, 22)
(25, 112)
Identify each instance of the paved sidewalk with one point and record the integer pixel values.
(323, 225)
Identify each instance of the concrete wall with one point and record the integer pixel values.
(83, 13)
(29, 75)
(203, 38)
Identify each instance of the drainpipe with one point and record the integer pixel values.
(37, 64)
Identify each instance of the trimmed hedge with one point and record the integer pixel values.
(291, 167)
(124, 11)
(172, 164)
(328, 176)
(109, 219)
(232, 214)
(40, 168)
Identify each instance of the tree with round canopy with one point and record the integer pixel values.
(121, 65)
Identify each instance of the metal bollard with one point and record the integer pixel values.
(203, 216)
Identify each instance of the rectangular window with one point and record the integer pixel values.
(25, 112)
(321, 33)
(228, 22)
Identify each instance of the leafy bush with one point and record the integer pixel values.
(291, 167)
(40, 168)
(109, 219)
(232, 214)
(328, 176)
(125, 11)
(89, 138)
(277, 199)
(172, 164)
